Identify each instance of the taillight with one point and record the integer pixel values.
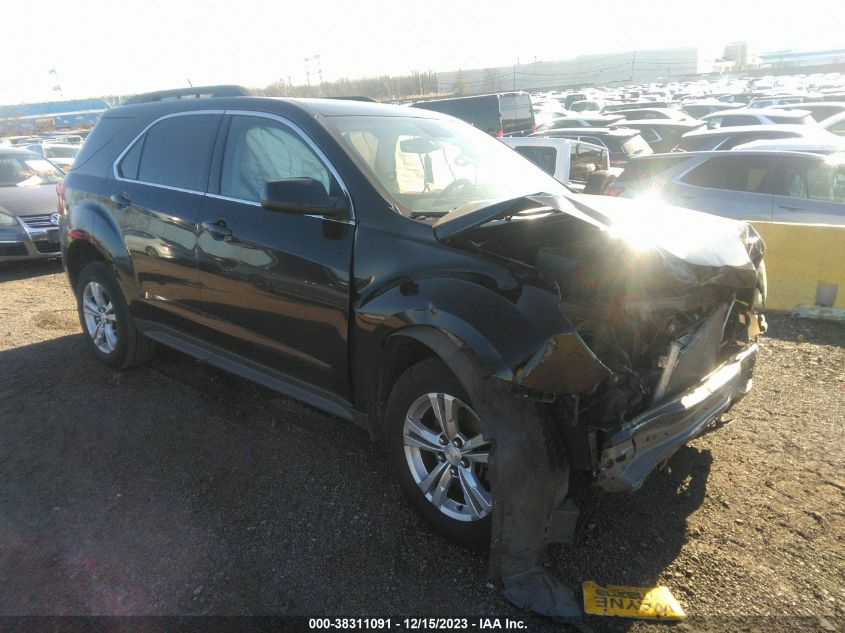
(612, 191)
(60, 191)
(500, 134)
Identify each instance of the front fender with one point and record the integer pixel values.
(519, 336)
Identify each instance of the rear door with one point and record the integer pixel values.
(276, 285)
(733, 186)
(155, 197)
(810, 191)
(517, 115)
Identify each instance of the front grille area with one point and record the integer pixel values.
(12, 250)
(47, 247)
(41, 221)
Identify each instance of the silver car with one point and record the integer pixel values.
(800, 187)
(29, 221)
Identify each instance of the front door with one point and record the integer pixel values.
(276, 284)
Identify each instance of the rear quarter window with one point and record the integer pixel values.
(104, 131)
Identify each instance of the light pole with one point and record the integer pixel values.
(308, 61)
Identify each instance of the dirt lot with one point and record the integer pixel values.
(178, 489)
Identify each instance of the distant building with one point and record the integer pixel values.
(791, 58)
(26, 118)
(642, 66)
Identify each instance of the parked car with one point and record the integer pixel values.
(60, 154)
(584, 120)
(744, 185)
(662, 135)
(833, 145)
(705, 139)
(699, 109)
(622, 143)
(431, 284)
(635, 105)
(774, 101)
(642, 114)
(761, 116)
(587, 105)
(29, 224)
(835, 124)
(497, 114)
(819, 111)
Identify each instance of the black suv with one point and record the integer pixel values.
(407, 272)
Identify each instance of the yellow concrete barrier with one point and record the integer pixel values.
(804, 262)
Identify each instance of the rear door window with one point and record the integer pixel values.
(753, 174)
(176, 152)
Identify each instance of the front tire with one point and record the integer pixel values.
(106, 323)
(435, 444)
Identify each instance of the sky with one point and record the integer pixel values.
(107, 47)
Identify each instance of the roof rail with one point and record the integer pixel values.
(189, 93)
(354, 98)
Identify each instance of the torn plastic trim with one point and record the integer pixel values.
(652, 437)
(563, 364)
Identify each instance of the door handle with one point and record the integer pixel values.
(120, 199)
(790, 208)
(218, 229)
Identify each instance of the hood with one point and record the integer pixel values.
(697, 247)
(22, 201)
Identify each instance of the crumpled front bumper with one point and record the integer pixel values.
(653, 437)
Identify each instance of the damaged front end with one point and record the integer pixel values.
(659, 301)
(663, 311)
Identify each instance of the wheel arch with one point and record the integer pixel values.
(94, 235)
(414, 343)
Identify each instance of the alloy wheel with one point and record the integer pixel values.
(100, 319)
(448, 456)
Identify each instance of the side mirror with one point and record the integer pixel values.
(300, 195)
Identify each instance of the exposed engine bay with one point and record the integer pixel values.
(653, 323)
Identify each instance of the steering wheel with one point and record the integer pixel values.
(453, 188)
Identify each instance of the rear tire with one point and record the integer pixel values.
(107, 326)
(442, 469)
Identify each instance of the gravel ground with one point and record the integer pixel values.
(178, 489)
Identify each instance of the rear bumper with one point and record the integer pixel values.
(653, 437)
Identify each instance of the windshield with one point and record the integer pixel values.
(27, 170)
(60, 152)
(431, 166)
